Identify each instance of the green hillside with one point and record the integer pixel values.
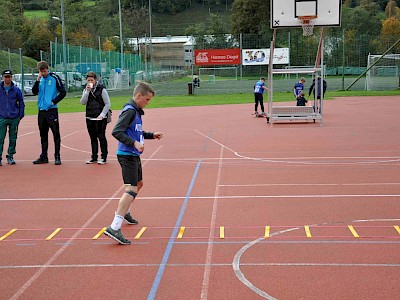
(197, 13)
(14, 60)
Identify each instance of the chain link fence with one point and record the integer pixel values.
(345, 59)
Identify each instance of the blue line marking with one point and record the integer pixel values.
(167, 252)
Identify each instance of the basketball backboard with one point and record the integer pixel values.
(285, 13)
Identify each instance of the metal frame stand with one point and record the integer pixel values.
(279, 113)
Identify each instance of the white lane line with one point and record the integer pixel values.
(207, 269)
(65, 246)
(291, 264)
(311, 184)
(213, 197)
(302, 161)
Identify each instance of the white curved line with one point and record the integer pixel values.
(236, 260)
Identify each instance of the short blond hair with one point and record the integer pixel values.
(143, 88)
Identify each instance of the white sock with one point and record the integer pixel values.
(117, 222)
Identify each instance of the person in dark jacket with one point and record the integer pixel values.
(301, 100)
(51, 90)
(97, 102)
(12, 110)
(130, 135)
(312, 90)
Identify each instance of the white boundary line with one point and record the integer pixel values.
(216, 197)
(302, 162)
(291, 264)
(207, 268)
(236, 260)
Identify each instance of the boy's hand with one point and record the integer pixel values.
(158, 135)
(139, 146)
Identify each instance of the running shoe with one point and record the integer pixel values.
(117, 236)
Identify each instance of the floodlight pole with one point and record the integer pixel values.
(120, 34)
(64, 45)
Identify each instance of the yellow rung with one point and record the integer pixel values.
(99, 233)
(353, 231)
(53, 234)
(8, 234)
(221, 232)
(266, 233)
(397, 228)
(308, 232)
(140, 233)
(181, 231)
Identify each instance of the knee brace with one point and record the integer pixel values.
(132, 193)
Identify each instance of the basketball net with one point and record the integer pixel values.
(307, 23)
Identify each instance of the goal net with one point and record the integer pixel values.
(384, 73)
(211, 75)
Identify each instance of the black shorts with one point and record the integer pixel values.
(131, 167)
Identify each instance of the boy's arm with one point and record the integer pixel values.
(124, 120)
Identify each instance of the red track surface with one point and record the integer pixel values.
(211, 171)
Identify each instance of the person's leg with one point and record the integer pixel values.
(92, 130)
(55, 128)
(256, 102)
(101, 133)
(262, 103)
(3, 131)
(44, 132)
(130, 173)
(12, 137)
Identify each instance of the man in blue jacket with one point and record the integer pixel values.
(12, 110)
(51, 90)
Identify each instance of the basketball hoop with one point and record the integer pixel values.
(307, 23)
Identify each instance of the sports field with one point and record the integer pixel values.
(231, 208)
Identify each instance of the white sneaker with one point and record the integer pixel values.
(102, 162)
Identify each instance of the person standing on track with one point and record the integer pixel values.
(51, 90)
(97, 102)
(259, 88)
(130, 135)
(312, 90)
(12, 110)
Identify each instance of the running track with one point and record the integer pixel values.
(231, 209)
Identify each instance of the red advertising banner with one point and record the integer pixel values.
(217, 57)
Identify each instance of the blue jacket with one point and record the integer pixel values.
(51, 90)
(12, 103)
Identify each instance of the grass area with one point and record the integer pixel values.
(14, 59)
(36, 14)
(71, 104)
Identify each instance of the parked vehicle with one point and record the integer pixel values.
(29, 80)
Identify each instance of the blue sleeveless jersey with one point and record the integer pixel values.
(258, 88)
(135, 131)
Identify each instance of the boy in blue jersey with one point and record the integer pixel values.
(130, 135)
(258, 95)
(299, 87)
(51, 90)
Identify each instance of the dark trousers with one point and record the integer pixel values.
(97, 133)
(48, 119)
(12, 125)
(258, 98)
